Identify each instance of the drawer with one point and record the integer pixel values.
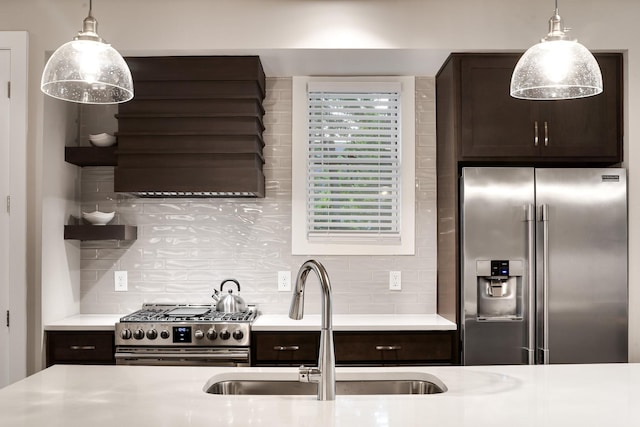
(80, 347)
(356, 348)
(285, 348)
(395, 348)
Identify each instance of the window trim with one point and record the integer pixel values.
(301, 244)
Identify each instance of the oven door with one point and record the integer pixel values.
(184, 356)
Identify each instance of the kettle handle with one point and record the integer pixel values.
(230, 280)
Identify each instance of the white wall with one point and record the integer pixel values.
(186, 247)
(205, 26)
(59, 192)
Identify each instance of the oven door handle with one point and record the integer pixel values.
(241, 356)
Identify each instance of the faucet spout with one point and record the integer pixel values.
(324, 375)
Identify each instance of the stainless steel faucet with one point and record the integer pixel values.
(325, 374)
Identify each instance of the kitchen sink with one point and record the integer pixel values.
(348, 384)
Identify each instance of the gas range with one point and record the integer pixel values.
(184, 325)
(184, 334)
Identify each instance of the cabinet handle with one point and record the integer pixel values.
(286, 348)
(546, 134)
(535, 133)
(388, 347)
(82, 347)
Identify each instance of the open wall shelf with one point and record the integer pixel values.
(91, 156)
(100, 232)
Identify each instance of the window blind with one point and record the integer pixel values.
(353, 169)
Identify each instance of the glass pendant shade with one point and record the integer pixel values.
(87, 70)
(556, 68)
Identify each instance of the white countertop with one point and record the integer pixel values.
(495, 396)
(355, 322)
(281, 322)
(85, 322)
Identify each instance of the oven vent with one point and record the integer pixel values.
(193, 194)
(194, 128)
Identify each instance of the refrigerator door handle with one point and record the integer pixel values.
(531, 307)
(544, 217)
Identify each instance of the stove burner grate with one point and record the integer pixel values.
(181, 313)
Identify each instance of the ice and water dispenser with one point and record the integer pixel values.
(499, 289)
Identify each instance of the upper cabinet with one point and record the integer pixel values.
(485, 124)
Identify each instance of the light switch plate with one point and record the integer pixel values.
(395, 281)
(284, 281)
(120, 279)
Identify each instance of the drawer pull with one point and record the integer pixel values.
(388, 347)
(286, 348)
(82, 347)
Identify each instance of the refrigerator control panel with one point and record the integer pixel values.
(499, 268)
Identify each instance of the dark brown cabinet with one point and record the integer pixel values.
(80, 347)
(395, 348)
(358, 348)
(284, 348)
(487, 124)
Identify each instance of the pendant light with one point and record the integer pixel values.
(87, 70)
(556, 68)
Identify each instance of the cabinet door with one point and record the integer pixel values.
(285, 348)
(588, 127)
(395, 348)
(493, 124)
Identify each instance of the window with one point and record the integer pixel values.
(353, 166)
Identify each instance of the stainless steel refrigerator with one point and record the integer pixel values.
(544, 265)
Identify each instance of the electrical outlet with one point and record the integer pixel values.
(395, 281)
(120, 280)
(284, 281)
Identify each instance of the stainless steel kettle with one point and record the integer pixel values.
(229, 303)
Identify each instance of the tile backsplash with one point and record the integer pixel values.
(187, 247)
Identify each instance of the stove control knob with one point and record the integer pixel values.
(224, 334)
(126, 334)
(238, 335)
(212, 334)
(138, 334)
(164, 334)
(198, 334)
(152, 334)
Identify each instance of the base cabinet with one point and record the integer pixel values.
(80, 347)
(395, 348)
(284, 348)
(359, 348)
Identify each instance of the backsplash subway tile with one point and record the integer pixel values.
(187, 247)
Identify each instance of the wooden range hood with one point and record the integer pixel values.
(193, 129)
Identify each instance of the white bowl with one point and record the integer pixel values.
(97, 217)
(102, 139)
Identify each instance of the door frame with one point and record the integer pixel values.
(18, 43)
